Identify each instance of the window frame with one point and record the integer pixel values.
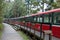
(56, 19)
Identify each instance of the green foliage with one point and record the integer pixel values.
(34, 11)
(19, 8)
(1, 29)
(1, 26)
(55, 5)
(35, 3)
(8, 9)
(1, 19)
(0, 34)
(25, 37)
(58, 3)
(1, 10)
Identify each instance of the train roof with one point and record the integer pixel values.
(47, 12)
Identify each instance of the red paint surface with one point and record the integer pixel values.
(29, 24)
(55, 29)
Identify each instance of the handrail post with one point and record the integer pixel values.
(40, 31)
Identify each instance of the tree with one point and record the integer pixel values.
(35, 4)
(19, 8)
(52, 4)
(1, 10)
(56, 4)
(8, 9)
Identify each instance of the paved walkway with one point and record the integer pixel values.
(10, 34)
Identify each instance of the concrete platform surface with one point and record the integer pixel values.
(10, 34)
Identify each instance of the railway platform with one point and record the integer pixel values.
(10, 34)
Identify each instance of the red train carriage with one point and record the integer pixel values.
(34, 21)
(51, 16)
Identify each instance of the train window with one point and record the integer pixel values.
(57, 18)
(40, 19)
(46, 18)
(34, 19)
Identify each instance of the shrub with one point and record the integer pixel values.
(1, 27)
